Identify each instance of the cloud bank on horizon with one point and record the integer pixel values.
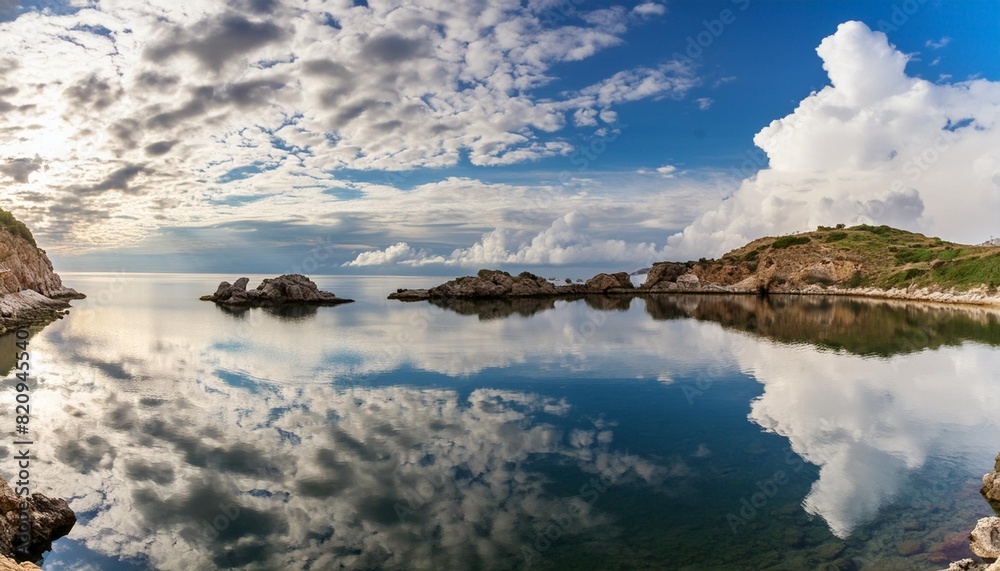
(876, 147)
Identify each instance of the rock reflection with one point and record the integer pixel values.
(501, 308)
(288, 311)
(855, 325)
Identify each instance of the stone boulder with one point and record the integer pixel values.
(991, 486)
(604, 282)
(664, 273)
(984, 541)
(50, 520)
(289, 288)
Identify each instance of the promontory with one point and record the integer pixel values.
(31, 293)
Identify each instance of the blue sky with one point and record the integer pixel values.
(423, 137)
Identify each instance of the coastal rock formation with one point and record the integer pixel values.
(603, 283)
(289, 288)
(50, 520)
(874, 261)
(991, 486)
(486, 284)
(31, 293)
(984, 541)
(494, 284)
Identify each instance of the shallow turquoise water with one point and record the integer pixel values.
(699, 432)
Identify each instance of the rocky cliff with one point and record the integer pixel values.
(31, 293)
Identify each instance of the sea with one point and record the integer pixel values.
(687, 432)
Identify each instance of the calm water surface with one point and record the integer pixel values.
(697, 432)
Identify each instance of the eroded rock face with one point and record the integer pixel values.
(991, 486)
(289, 288)
(664, 273)
(27, 267)
(31, 293)
(50, 520)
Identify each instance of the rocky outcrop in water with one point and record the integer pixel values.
(605, 283)
(50, 519)
(497, 284)
(286, 289)
(31, 293)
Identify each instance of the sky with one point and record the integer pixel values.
(434, 137)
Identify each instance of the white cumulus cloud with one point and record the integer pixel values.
(878, 146)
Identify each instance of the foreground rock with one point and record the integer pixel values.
(497, 284)
(286, 289)
(50, 520)
(31, 293)
(8, 564)
(984, 541)
(991, 486)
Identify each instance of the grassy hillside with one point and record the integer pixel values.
(862, 256)
(15, 226)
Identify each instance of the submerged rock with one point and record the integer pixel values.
(289, 288)
(50, 519)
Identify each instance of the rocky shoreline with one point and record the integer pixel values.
(497, 284)
(282, 290)
(670, 279)
(860, 261)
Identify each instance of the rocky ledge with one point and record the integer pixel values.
(286, 289)
(31, 293)
(50, 519)
(494, 284)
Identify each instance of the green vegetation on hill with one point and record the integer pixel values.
(887, 257)
(15, 227)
